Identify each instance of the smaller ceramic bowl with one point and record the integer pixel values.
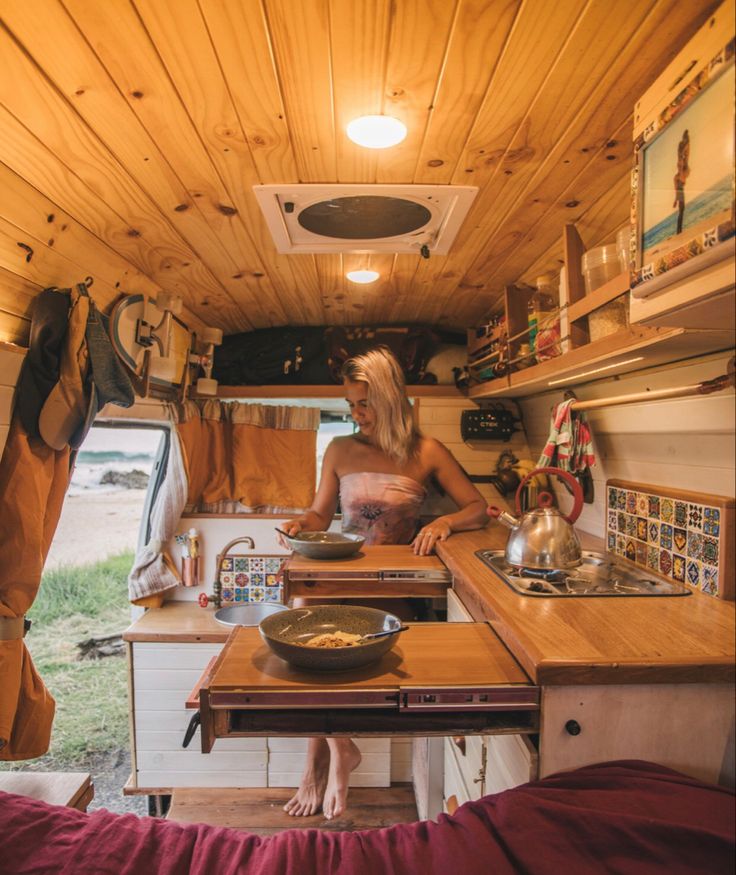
(325, 545)
(287, 632)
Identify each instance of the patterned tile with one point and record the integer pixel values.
(654, 506)
(678, 567)
(679, 540)
(611, 543)
(612, 496)
(612, 520)
(642, 504)
(257, 563)
(257, 594)
(665, 536)
(242, 579)
(693, 572)
(272, 580)
(227, 595)
(641, 553)
(709, 580)
(694, 545)
(274, 564)
(620, 545)
(653, 558)
(712, 514)
(227, 565)
(680, 513)
(631, 528)
(695, 517)
(653, 533)
(257, 579)
(710, 550)
(630, 552)
(642, 530)
(621, 518)
(226, 579)
(631, 502)
(240, 563)
(621, 499)
(665, 562)
(274, 594)
(667, 510)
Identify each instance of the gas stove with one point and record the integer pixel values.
(599, 574)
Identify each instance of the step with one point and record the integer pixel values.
(260, 810)
(72, 789)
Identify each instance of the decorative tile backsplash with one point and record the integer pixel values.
(251, 579)
(679, 539)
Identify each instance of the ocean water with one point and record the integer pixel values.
(111, 449)
(707, 203)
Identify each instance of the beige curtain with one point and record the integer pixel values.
(248, 458)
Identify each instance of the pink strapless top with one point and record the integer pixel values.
(384, 508)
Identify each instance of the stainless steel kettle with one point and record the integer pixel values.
(543, 538)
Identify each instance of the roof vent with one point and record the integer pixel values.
(364, 218)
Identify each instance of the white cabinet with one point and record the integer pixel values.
(162, 676)
(478, 765)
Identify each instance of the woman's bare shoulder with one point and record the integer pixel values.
(432, 451)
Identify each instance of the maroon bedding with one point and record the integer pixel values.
(622, 817)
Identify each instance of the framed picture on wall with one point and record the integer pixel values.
(683, 181)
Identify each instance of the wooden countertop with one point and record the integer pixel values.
(596, 640)
(556, 641)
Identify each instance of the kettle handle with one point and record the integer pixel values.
(577, 492)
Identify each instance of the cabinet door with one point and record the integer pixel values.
(511, 760)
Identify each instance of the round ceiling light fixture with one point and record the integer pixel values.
(362, 276)
(376, 131)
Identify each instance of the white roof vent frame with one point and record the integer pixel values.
(319, 218)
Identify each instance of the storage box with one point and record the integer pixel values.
(610, 318)
(483, 340)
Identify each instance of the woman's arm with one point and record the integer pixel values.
(471, 513)
(318, 517)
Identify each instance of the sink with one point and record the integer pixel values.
(249, 614)
(599, 574)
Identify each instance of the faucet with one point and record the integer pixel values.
(216, 597)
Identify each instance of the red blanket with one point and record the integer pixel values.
(623, 817)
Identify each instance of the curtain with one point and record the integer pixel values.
(249, 458)
(33, 481)
(225, 458)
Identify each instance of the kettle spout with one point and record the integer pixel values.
(503, 517)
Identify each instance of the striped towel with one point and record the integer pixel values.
(569, 445)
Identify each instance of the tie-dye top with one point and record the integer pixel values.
(384, 508)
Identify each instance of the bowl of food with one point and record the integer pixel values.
(325, 545)
(330, 637)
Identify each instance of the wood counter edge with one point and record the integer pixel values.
(712, 670)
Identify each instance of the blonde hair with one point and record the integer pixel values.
(395, 432)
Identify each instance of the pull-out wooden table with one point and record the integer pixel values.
(439, 679)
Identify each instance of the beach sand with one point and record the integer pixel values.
(96, 525)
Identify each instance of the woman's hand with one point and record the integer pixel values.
(429, 535)
(291, 527)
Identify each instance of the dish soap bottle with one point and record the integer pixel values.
(544, 327)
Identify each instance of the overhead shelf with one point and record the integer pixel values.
(629, 350)
(334, 390)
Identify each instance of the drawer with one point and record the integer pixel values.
(456, 610)
(510, 760)
(470, 758)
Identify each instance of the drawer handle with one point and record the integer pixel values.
(573, 727)
(459, 742)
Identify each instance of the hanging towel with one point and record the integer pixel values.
(569, 445)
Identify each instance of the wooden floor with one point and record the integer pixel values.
(260, 810)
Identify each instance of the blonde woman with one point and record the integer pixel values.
(380, 476)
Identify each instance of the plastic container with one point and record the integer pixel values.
(610, 318)
(600, 265)
(623, 241)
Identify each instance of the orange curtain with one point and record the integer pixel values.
(261, 457)
(33, 482)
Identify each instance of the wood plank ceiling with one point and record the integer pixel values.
(132, 132)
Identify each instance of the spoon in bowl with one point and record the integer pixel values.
(371, 635)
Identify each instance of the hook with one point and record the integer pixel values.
(89, 281)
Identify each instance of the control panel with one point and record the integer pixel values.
(491, 424)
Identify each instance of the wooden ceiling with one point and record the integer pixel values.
(132, 132)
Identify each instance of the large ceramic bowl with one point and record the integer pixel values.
(325, 545)
(287, 632)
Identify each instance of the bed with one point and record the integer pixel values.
(621, 817)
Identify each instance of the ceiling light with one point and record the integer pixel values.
(362, 276)
(595, 371)
(376, 131)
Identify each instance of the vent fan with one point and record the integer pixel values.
(364, 218)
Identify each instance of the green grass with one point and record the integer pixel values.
(73, 604)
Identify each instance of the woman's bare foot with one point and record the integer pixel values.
(308, 798)
(344, 757)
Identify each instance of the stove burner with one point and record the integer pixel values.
(598, 575)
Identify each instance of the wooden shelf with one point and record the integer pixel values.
(629, 350)
(331, 391)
